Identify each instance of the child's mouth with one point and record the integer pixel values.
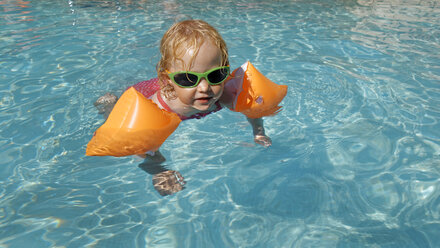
(204, 99)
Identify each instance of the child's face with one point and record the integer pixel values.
(204, 95)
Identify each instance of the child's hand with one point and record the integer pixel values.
(105, 104)
(258, 129)
(263, 140)
(168, 182)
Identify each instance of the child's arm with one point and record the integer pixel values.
(229, 94)
(259, 135)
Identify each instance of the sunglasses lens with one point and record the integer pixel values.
(218, 76)
(185, 79)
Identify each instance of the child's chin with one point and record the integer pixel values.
(203, 107)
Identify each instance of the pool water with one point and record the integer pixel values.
(355, 154)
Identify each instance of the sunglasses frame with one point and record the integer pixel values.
(199, 76)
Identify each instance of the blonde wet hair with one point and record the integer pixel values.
(184, 35)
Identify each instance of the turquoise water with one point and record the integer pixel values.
(355, 155)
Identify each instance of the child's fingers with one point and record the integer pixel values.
(168, 182)
(263, 140)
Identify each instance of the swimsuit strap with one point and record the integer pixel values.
(162, 102)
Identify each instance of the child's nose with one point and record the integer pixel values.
(203, 85)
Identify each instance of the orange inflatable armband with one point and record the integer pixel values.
(257, 96)
(135, 125)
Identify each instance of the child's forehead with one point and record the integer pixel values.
(180, 55)
(185, 50)
(196, 57)
(189, 46)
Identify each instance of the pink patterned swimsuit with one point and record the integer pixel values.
(149, 87)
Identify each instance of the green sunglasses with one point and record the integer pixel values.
(189, 79)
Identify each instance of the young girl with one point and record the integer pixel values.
(191, 79)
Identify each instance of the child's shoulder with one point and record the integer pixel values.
(230, 92)
(148, 87)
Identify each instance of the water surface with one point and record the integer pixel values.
(354, 161)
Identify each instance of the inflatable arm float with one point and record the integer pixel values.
(135, 125)
(257, 96)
